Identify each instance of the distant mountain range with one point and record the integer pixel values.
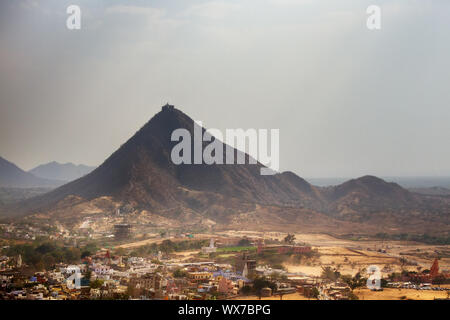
(141, 177)
(12, 176)
(17, 184)
(406, 182)
(61, 171)
(10, 195)
(432, 191)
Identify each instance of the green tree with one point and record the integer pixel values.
(246, 290)
(262, 282)
(330, 274)
(96, 284)
(244, 242)
(354, 282)
(314, 293)
(179, 273)
(290, 238)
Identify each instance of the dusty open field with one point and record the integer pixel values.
(184, 256)
(347, 261)
(291, 296)
(139, 243)
(400, 294)
(350, 257)
(366, 294)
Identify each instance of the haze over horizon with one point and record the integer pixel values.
(348, 101)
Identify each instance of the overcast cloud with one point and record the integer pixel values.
(348, 101)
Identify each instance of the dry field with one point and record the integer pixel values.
(290, 296)
(400, 294)
(366, 294)
(350, 257)
(347, 261)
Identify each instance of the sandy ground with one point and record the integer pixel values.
(185, 255)
(291, 296)
(397, 294)
(366, 294)
(346, 261)
(313, 271)
(139, 243)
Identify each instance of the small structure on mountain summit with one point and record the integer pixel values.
(167, 107)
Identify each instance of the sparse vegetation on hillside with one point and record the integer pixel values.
(425, 238)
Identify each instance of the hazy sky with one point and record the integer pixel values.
(348, 101)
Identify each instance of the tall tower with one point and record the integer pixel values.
(245, 271)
